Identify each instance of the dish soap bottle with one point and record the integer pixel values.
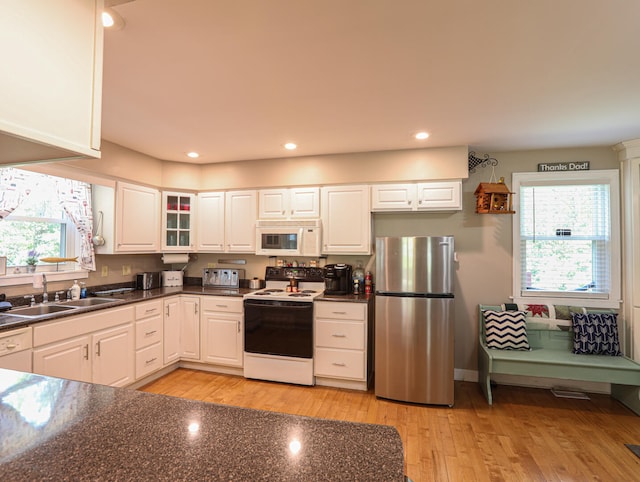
(75, 290)
(83, 289)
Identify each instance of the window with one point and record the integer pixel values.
(566, 237)
(40, 225)
(44, 216)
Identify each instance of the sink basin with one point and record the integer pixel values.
(88, 302)
(40, 310)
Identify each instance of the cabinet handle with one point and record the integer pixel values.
(339, 364)
(238, 326)
(98, 348)
(409, 202)
(221, 306)
(151, 361)
(195, 308)
(149, 333)
(11, 346)
(420, 202)
(168, 310)
(339, 312)
(339, 335)
(86, 351)
(150, 310)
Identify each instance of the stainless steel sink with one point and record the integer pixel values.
(88, 302)
(40, 310)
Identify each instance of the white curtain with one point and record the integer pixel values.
(75, 199)
(14, 188)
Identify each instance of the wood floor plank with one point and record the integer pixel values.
(527, 435)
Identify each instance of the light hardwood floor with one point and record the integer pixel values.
(528, 434)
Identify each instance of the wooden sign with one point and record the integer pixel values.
(563, 166)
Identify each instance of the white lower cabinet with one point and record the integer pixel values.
(181, 328)
(97, 347)
(149, 335)
(222, 330)
(342, 344)
(190, 328)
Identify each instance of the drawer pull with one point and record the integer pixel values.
(11, 346)
(339, 364)
(150, 310)
(221, 306)
(149, 333)
(151, 361)
(339, 335)
(86, 351)
(339, 312)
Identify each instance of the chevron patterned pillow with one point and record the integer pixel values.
(506, 330)
(595, 334)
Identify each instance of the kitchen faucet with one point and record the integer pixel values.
(45, 296)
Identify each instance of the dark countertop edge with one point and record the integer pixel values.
(10, 322)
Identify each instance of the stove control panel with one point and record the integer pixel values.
(274, 273)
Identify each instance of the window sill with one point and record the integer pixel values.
(27, 278)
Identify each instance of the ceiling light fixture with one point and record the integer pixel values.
(290, 146)
(112, 19)
(421, 135)
(193, 155)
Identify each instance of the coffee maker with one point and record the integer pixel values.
(337, 279)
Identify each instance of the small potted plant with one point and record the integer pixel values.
(32, 260)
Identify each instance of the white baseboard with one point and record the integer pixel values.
(465, 375)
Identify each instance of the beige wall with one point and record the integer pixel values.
(405, 165)
(483, 242)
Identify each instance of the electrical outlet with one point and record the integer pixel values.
(212, 265)
(105, 271)
(126, 270)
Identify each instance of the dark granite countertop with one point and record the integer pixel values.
(55, 429)
(9, 321)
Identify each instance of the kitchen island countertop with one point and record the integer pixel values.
(57, 429)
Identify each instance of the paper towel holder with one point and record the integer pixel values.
(175, 258)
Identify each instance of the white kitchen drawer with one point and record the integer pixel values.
(222, 304)
(340, 334)
(340, 311)
(148, 331)
(339, 363)
(148, 360)
(148, 308)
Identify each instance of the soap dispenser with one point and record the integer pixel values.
(75, 290)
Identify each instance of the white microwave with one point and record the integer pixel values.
(292, 238)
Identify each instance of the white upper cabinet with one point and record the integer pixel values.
(130, 219)
(210, 222)
(423, 196)
(51, 92)
(293, 203)
(346, 220)
(178, 221)
(241, 208)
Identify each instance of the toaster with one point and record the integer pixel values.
(148, 280)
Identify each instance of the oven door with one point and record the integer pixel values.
(273, 327)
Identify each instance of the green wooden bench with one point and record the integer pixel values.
(551, 356)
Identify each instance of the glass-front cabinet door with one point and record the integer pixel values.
(178, 221)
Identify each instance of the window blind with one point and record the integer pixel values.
(565, 237)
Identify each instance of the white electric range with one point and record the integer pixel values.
(278, 325)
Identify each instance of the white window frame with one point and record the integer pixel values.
(72, 238)
(604, 300)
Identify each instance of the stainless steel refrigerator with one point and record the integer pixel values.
(414, 319)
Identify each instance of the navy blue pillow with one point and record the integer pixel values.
(595, 334)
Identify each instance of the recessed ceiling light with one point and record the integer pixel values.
(421, 135)
(290, 146)
(193, 155)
